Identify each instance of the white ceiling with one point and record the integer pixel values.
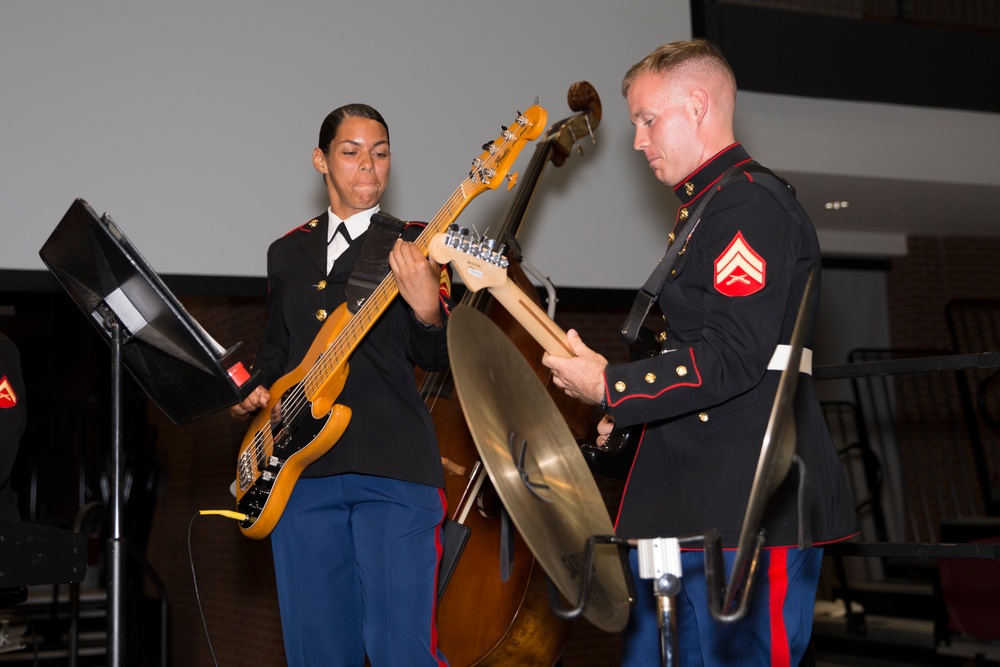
(887, 208)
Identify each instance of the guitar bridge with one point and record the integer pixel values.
(245, 470)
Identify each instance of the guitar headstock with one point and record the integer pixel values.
(498, 156)
(480, 261)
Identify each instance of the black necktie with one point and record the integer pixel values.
(339, 248)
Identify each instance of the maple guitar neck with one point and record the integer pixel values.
(536, 321)
(479, 266)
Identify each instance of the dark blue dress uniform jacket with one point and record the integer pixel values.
(391, 433)
(706, 402)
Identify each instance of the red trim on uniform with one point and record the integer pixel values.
(703, 166)
(741, 162)
(777, 577)
(706, 163)
(301, 228)
(629, 476)
(694, 365)
(439, 545)
(837, 539)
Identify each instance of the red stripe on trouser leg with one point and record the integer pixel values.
(777, 574)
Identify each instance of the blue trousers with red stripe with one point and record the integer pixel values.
(775, 632)
(356, 560)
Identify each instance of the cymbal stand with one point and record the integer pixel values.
(660, 560)
(587, 576)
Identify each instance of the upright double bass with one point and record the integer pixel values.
(482, 619)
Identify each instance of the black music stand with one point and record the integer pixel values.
(175, 362)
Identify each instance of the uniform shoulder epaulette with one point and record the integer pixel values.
(307, 227)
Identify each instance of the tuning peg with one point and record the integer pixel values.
(463, 243)
(451, 235)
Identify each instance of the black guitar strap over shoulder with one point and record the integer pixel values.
(651, 288)
(372, 263)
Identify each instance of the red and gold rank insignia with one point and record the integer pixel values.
(8, 399)
(739, 271)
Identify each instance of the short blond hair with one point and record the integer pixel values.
(669, 57)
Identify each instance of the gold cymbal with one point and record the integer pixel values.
(535, 465)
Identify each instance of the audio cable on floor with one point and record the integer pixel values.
(194, 578)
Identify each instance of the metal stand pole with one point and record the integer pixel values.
(666, 588)
(660, 560)
(116, 544)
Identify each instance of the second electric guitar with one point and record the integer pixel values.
(481, 264)
(274, 453)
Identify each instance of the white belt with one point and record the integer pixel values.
(779, 361)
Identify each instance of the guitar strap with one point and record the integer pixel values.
(372, 263)
(651, 288)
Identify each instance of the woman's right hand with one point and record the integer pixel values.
(257, 399)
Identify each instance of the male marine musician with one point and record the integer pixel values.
(730, 302)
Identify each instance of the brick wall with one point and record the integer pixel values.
(235, 574)
(934, 271)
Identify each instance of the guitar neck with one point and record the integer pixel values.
(387, 290)
(536, 321)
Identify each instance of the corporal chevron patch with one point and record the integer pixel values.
(8, 399)
(739, 270)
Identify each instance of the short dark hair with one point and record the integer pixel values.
(668, 57)
(328, 130)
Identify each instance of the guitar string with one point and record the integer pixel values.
(263, 442)
(331, 359)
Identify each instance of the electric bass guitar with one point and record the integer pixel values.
(480, 263)
(281, 443)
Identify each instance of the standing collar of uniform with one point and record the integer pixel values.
(708, 174)
(356, 225)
